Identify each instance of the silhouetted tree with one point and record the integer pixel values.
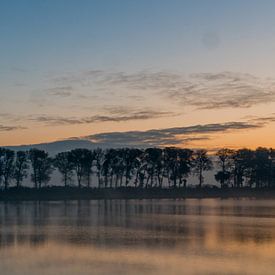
(79, 158)
(117, 166)
(222, 177)
(2, 153)
(41, 167)
(20, 167)
(137, 155)
(99, 159)
(89, 162)
(113, 165)
(130, 160)
(160, 168)
(262, 167)
(185, 163)
(201, 163)
(153, 159)
(272, 167)
(7, 166)
(225, 163)
(171, 163)
(65, 166)
(243, 167)
(109, 166)
(150, 167)
(141, 168)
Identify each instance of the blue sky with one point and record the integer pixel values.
(68, 35)
(72, 61)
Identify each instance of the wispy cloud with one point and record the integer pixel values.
(169, 136)
(262, 119)
(106, 80)
(114, 114)
(64, 91)
(11, 118)
(223, 90)
(4, 128)
(201, 90)
(104, 114)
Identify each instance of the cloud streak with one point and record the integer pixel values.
(4, 128)
(225, 90)
(64, 91)
(169, 136)
(114, 115)
(263, 119)
(201, 90)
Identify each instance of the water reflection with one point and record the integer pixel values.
(203, 235)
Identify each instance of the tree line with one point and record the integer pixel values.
(141, 168)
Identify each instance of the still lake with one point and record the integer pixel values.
(191, 236)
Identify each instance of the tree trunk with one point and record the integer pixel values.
(6, 184)
(175, 181)
(89, 180)
(120, 182)
(116, 182)
(146, 185)
(106, 181)
(200, 179)
(99, 180)
(65, 180)
(79, 181)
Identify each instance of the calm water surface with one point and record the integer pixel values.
(208, 236)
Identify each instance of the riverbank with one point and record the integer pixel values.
(73, 193)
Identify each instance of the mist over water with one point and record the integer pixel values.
(208, 236)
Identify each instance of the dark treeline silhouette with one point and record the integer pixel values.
(151, 168)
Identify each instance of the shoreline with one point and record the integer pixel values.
(73, 193)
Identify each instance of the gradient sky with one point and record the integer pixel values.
(200, 73)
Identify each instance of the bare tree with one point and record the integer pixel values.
(20, 167)
(225, 163)
(41, 167)
(201, 163)
(79, 158)
(65, 166)
(2, 154)
(99, 159)
(88, 171)
(7, 166)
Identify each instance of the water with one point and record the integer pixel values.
(208, 236)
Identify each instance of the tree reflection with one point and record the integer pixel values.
(137, 223)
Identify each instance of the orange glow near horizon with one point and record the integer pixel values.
(120, 111)
(251, 138)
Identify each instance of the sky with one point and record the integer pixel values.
(148, 72)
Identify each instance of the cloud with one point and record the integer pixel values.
(223, 90)
(168, 136)
(4, 128)
(55, 120)
(104, 79)
(201, 90)
(104, 114)
(12, 118)
(263, 119)
(114, 114)
(65, 91)
(6, 116)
